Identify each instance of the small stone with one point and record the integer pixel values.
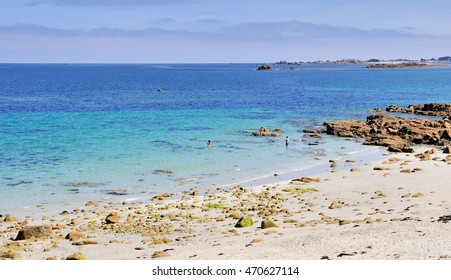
(12, 255)
(268, 224)
(256, 240)
(336, 205)
(36, 231)
(112, 218)
(244, 222)
(76, 257)
(89, 203)
(10, 218)
(380, 168)
(160, 254)
(236, 215)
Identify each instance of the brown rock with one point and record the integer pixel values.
(264, 131)
(306, 180)
(10, 218)
(160, 254)
(394, 132)
(12, 255)
(418, 195)
(336, 205)
(36, 231)
(268, 224)
(112, 218)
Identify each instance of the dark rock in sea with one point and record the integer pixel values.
(264, 67)
(83, 184)
(163, 171)
(116, 192)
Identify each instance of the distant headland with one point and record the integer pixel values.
(370, 63)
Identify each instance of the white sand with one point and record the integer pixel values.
(377, 221)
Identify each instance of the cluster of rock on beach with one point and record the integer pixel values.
(384, 210)
(397, 133)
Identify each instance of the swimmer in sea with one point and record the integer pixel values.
(209, 144)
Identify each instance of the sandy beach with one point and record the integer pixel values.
(397, 208)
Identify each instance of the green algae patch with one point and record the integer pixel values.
(299, 191)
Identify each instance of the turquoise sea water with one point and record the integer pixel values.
(69, 133)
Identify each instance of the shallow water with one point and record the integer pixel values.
(71, 133)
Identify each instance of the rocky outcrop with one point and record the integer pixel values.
(264, 131)
(396, 133)
(431, 109)
(264, 67)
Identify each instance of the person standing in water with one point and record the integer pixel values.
(286, 141)
(209, 144)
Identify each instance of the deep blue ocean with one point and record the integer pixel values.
(74, 132)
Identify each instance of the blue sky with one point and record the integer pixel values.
(221, 31)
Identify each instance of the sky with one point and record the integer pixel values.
(210, 31)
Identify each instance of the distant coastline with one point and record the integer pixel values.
(376, 63)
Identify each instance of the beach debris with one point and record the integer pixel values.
(36, 231)
(268, 224)
(76, 257)
(244, 222)
(112, 218)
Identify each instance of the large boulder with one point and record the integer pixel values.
(36, 231)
